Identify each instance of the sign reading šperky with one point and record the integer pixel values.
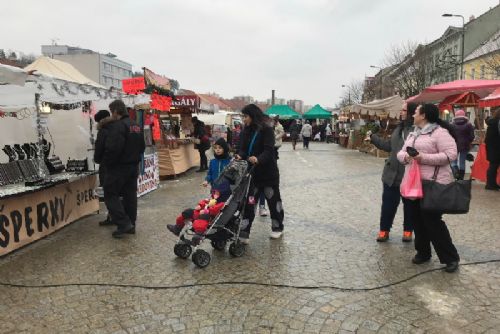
(32, 216)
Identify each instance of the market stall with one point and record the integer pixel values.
(378, 115)
(175, 148)
(41, 118)
(473, 95)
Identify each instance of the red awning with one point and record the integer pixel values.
(467, 99)
(439, 92)
(492, 100)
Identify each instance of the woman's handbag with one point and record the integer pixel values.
(452, 198)
(411, 185)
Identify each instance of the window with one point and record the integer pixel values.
(483, 68)
(498, 72)
(107, 67)
(472, 73)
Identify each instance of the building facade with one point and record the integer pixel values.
(297, 105)
(445, 53)
(105, 69)
(484, 62)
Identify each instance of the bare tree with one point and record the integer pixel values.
(412, 68)
(353, 94)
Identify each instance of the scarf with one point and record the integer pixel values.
(428, 128)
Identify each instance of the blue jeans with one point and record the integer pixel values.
(460, 162)
(262, 199)
(390, 202)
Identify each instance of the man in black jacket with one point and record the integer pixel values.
(104, 121)
(124, 147)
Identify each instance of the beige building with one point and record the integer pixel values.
(105, 69)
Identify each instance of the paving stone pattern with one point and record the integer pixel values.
(332, 201)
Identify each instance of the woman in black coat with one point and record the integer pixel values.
(257, 147)
(492, 141)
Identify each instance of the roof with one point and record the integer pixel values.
(10, 63)
(283, 111)
(214, 100)
(491, 45)
(441, 91)
(60, 70)
(317, 112)
(12, 75)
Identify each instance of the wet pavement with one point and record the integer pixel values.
(326, 275)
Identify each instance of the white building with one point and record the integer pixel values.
(105, 69)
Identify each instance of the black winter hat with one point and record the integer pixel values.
(222, 143)
(100, 115)
(188, 213)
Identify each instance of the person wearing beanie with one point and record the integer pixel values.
(464, 132)
(103, 120)
(217, 165)
(257, 147)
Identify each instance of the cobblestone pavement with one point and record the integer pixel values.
(332, 202)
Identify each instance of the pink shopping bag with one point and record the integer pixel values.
(411, 185)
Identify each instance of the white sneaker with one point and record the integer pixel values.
(245, 241)
(262, 211)
(276, 234)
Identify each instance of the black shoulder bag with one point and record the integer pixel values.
(452, 198)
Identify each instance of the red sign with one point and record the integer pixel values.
(133, 85)
(159, 102)
(185, 101)
(156, 127)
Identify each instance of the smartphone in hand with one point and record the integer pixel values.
(412, 152)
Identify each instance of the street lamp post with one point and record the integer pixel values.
(463, 41)
(349, 92)
(381, 82)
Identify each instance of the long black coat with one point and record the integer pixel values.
(492, 140)
(266, 172)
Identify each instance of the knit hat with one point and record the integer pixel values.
(222, 143)
(460, 113)
(100, 115)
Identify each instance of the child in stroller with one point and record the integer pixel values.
(213, 219)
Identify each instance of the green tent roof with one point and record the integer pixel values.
(283, 111)
(317, 112)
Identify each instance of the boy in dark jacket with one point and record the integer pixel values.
(217, 165)
(104, 121)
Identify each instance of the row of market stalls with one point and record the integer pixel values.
(476, 97)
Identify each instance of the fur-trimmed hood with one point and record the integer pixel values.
(104, 122)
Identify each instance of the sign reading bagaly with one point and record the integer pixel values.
(32, 216)
(191, 101)
(150, 180)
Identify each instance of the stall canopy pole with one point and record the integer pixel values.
(39, 130)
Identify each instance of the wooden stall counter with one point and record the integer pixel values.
(33, 213)
(176, 158)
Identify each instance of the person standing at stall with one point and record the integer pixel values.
(104, 122)
(203, 142)
(124, 147)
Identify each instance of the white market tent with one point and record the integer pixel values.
(60, 70)
(69, 130)
(388, 107)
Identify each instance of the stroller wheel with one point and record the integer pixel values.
(201, 258)
(219, 245)
(237, 249)
(182, 250)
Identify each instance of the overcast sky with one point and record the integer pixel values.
(304, 49)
